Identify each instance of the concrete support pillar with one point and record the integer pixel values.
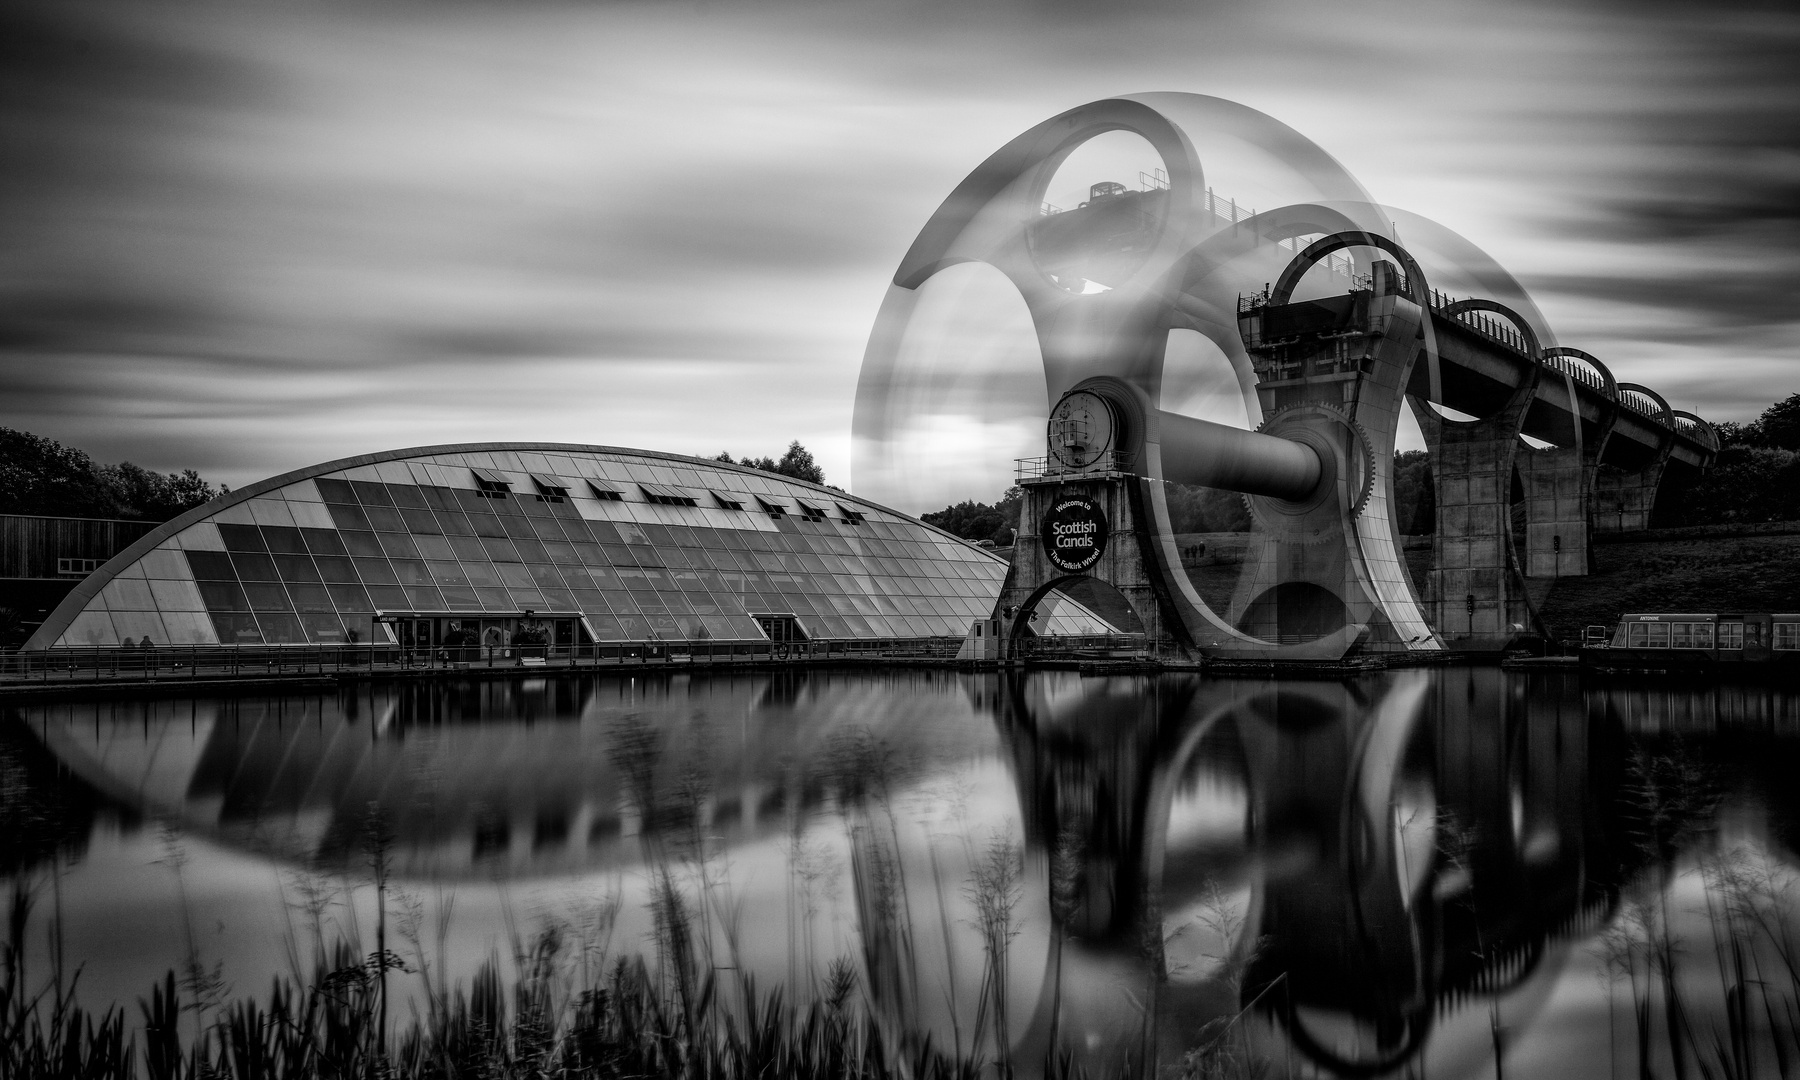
(1127, 560)
(1623, 500)
(1477, 596)
(1558, 483)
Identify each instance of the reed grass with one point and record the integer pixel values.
(621, 1025)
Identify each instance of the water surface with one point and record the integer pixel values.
(1414, 871)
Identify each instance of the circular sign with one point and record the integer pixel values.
(1074, 532)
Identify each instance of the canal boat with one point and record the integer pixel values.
(1695, 642)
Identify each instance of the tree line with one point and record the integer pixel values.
(797, 462)
(1756, 477)
(42, 476)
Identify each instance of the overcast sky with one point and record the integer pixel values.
(245, 237)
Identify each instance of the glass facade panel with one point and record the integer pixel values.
(434, 547)
(241, 537)
(223, 596)
(323, 542)
(252, 566)
(481, 573)
(388, 597)
(335, 568)
(210, 566)
(236, 629)
(363, 543)
(371, 493)
(350, 598)
(267, 596)
(323, 629)
(295, 568)
(334, 491)
(310, 598)
(460, 598)
(468, 549)
(347, 517)
(397, 545)
(424, 598)
(281, 629)
(284, 539)
(376, 572)
(407, 495)
(448, 573)
(412, 572)
(495, 599)
(441, 498)
(648, 570)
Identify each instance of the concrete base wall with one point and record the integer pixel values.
(1477, 600)
(1557, 493)
(1622, 500)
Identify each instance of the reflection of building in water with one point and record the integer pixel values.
(1395, 850)
(530, 777)
(45, 813)
(1377, 870)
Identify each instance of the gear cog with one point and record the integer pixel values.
(1315, 519)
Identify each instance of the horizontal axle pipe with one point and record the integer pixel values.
(1196, 451)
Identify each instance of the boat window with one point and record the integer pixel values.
(1659, 635)
(1787, 636)
(1681, 635)
(1619, 635)
(1703, 635)
(1731, 635)
(1640, 635)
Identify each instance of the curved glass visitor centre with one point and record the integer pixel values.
(473, 543)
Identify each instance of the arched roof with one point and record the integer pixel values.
(80, 599)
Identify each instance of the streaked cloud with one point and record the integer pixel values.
(246, 238)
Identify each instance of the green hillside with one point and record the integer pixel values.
(1746, 573)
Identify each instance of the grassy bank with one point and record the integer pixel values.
(1743, 573)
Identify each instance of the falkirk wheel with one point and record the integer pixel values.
(1140, 349)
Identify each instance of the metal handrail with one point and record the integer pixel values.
(1579, 372)
(1033, 468)
(1638, 403)
(101, 664)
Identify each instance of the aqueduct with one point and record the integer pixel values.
(1326, 318)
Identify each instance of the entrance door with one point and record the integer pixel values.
(417, 635)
